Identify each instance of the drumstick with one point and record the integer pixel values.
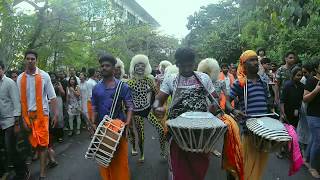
(263, 115)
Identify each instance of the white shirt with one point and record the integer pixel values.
(169, 83)
(84, 94)
(91, 84)
(228, 85)
(47, 90)
(9, 102)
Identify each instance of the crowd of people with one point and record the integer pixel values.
(40, 108)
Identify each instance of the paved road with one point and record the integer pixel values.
(73, 166)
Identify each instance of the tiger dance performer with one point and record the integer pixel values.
(143, 91)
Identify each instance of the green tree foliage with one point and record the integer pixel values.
(225, 29)
(74, 32)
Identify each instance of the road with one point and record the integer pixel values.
(73, 165)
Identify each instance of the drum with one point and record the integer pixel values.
(269, 134)
(105, 141)
(196, 131)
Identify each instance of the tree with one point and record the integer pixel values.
(74, 32)
(225, 29)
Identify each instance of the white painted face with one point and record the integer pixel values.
(139, 68)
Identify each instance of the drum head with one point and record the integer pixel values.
(196, 120)
(268, 128)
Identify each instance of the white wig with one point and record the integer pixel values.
(173, 69)
(120, 64)
(163, 65)
(211, 67)
(140, 58)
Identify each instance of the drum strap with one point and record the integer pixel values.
(245, 94)
(115, 99)
(212, 99)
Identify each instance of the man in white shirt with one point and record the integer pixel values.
(10, 111)
(91, 83)
(72, 72)
(35, 90)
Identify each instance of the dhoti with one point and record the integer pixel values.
(118, 169)
(40, 130)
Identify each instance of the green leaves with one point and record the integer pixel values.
(74, 32)
(277, 25)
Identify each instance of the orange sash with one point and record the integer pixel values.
(24, 102)
(90, 111)
(233, 159)
(223, 98)
(37, 121)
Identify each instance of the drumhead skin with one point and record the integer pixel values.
(196, 131)
(268, 128)
(196, 120)
(269, 134)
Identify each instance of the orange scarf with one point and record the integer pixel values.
(232, 148)
(241, 73)
(223, 98)
(24, 102)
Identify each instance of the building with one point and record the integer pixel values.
(131, 11)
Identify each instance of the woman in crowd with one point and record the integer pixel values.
(303, 129)
(73, 103)
(291, 98)
(312, 97)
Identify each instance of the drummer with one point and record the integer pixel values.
(102, 97)
(189, 91)
(254, 103)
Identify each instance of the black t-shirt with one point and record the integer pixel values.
(313, 106)
(291, 97)
(64, 84)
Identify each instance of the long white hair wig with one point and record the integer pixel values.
(173, 69)
(211, 67)
(140, 58)
(120, 64)
(163, 65)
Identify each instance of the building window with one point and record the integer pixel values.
(131, 18)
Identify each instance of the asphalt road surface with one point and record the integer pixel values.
(73, 165)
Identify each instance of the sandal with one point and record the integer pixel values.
(134, 152)
(280, 156)
(216, 153)
(141, 159)
(314, 173)
(52, 164)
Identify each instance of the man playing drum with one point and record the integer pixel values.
(253, 102)
(189, 91)
(102, 98)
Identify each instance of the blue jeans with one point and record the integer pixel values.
(313, 149)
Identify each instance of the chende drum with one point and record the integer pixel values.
(268, 134)
(105, 141)
(196, 131)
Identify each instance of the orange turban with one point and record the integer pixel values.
(241, 73)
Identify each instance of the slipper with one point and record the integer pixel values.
(314, 173)
(280, 156)
(216, 153)
(52, 164)
(134, 152)
(141, 159)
